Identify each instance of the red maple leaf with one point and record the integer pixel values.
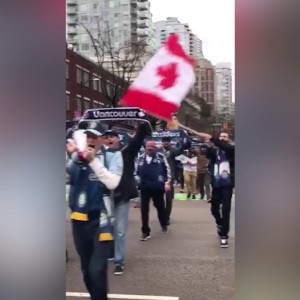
(168, 74)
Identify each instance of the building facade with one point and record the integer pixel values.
(189, 41)
(223, 90)
(120, 21)
(85, 84)
(205, 82)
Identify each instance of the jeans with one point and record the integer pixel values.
(203, 181)
(121, 211)
(221, 208)
(93, 257)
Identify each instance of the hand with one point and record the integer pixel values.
(89, 154)
(71, 147)
(167, 187)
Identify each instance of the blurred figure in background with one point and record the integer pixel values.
(203, 176)
(171, 154)
(189, 162)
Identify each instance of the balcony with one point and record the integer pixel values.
(72, 30)
(71, 11)
(71, 2)
(143, 33)
(143, 24)
(72, 20)
(72, 41)
(143, 15)
(143, 5)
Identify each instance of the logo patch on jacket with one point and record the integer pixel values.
(82, 200)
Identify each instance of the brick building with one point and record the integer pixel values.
(84, 85)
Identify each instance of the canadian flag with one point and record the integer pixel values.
(164, 82)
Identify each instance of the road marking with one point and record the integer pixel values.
(124, 297)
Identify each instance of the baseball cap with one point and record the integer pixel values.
(111, 133)
(95, 130)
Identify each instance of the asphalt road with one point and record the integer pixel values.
(186, 263)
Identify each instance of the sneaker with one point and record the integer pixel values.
(111, 259)
(194, 197)
(119, 270)
(165, 229)
(181, 191)
(188, 196)
(145, 237)
(224, 243)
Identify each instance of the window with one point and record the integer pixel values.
(95, 84)
(83, 8)
(67, 70)
(86, 80)
(85, 47)
(116, 15)
(100, 85)
(68, 106)
(78, 104)
(95, 6)
(86, 104)
(84, 18)
(78, 75)
(109, 89)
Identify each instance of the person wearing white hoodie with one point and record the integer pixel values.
(189, 162)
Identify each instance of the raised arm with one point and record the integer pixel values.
(136, 142)
(109, 177)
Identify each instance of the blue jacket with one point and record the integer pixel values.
(155, 174)
(90, 186)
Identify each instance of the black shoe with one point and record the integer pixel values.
(223, 243)
(194, 197)
(188, 196)
(145, 237)
(168, 222)
(208, 200)
(119, 270)
(165, 229)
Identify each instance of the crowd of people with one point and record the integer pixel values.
(107, 174)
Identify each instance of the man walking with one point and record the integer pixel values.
(155, 177)
(126, 190)
(93, 173)
(171, 154)
(223, 180)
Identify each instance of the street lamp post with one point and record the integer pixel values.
(82, 98)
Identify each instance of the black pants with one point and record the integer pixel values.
(200, 184)
(93, 257)
(221, 207)
(169, 201)
(181, 178)
(159, 203)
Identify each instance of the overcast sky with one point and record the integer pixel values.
(211, 20)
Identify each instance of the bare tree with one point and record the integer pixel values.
(123, 62)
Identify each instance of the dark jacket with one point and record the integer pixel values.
(155, 174)
(127, 188)
(173, 153)
(229, 151)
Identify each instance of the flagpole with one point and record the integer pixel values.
(191, 130)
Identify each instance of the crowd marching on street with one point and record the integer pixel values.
(106, 173)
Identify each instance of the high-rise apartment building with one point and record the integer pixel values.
(126, 21)
(223, 90)
(189, 41)
(205, 82)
